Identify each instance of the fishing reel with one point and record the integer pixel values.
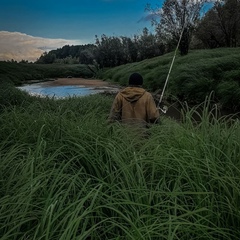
(163, 109)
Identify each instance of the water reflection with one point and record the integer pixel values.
(58, 91)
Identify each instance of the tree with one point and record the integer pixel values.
(228, 13)
(220, 27)
(130, 50)
(209, 31)
(177, 16)
(47, 58)
(73, 51)
(65, 51)
(148, 45)
(110, 51)
(86, 57)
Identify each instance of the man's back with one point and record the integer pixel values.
(134, 105)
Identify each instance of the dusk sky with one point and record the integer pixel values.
(28, 27)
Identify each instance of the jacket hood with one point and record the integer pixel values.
(132, 94)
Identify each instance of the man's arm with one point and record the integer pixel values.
(116, 110)
(152, 111)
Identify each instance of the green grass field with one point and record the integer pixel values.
(66, 174)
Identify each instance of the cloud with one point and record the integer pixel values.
(152, 15)
(20, 46)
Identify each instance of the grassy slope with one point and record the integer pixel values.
(193, 76)
(18, 72)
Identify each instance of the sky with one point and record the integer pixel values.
(30, 27)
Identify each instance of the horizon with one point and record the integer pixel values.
(28, 29)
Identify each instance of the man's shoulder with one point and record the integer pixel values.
(147, 93)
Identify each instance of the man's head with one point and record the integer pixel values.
(135, 79)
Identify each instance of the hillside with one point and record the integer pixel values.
(193, 76)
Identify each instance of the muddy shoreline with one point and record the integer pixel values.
(96, 83)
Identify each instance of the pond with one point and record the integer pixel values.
(38, 89)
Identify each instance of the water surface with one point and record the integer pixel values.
(38, 89)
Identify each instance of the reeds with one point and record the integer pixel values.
(67, 174)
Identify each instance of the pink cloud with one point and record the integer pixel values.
(20, 46)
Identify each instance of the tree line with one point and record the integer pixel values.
(182, 21)
(108, 51)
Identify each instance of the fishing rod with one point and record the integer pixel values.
(165, 108)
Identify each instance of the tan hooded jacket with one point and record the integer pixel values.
(134, 105)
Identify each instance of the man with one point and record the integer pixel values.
(134, 105)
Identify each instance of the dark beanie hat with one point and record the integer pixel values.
(135, 79)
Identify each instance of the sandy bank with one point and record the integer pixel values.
(77, 81)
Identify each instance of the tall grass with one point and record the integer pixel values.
(66, 174)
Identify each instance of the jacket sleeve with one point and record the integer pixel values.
(116, 110)
(152, 111)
